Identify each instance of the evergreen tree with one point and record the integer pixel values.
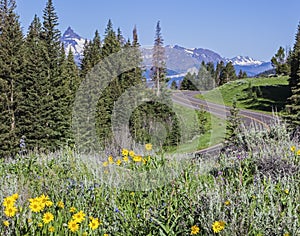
(91, 54)
(85, 63)
(202, 120)
(204, 79)
(57, 125)
(112, 92)
(189, 82)
(233, 125)
(11, 77)
(210, 68)
(33, 104)
(293, 103)
(174, 85)
(111, 43)
(51, 36)
(120, 37)
(158, 69)
(71, 81)
(218, 72)
(227, 74)
(242, 74)
(280, 63)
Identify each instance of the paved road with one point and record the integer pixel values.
(186, 98)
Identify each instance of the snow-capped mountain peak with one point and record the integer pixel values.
(244, 61)
(74, 42)
(69, 34)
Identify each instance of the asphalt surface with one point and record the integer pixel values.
(187, 99)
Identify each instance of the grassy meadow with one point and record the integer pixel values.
(259, 94)
(251, 189)
(215, 129)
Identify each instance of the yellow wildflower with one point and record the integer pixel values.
(293, 148)
(84, 234)
(125, 158)
(218, 226)
(49, 203)
(110, 160)
(124, 152)
(8, 201)
(105, 163)
(44, 200)
(73, 209)
(119, 162)
(73, 226)
(144, 161)
(137, 158)
(94, 224)
(131, 153)
(286, 191)
(48, 217)
(60, 204)
(6, 223)
(105, 234)
(79, 217)
(10, 211)
(298, 152)
(227, 203)
(40, 225)
(148, 146)
(35, 206)
(15, 196)
(132, 194)
(286, 234)
(195, 230)
(51, 229)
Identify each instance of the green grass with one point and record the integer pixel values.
(254, 191)
(268, 93)
(191, 140)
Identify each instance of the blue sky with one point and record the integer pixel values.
(254, 28)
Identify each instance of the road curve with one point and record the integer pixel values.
(187, 99)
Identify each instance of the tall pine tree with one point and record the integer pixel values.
(57, 122)
(11, 77)
(293, 103)
(35, 89)
(158, 69)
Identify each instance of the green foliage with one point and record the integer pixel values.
(174, 85)
(233, 126)
(246, 190)
(203, 80)
(155, 122)
(242, 75)
(202, 120)
(189, 82)
(35, 90)
(91, 55)
(11, 78)
(292, 107)
(227, 74)
(158, 70)
(273, 91)
(280, 62)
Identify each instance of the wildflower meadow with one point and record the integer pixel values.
(252, 189)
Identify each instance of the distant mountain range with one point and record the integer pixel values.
(179, 60)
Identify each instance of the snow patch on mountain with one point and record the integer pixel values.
(179, 60)
(72, 41)
(244, 61)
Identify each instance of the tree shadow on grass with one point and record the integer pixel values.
(269, 98)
